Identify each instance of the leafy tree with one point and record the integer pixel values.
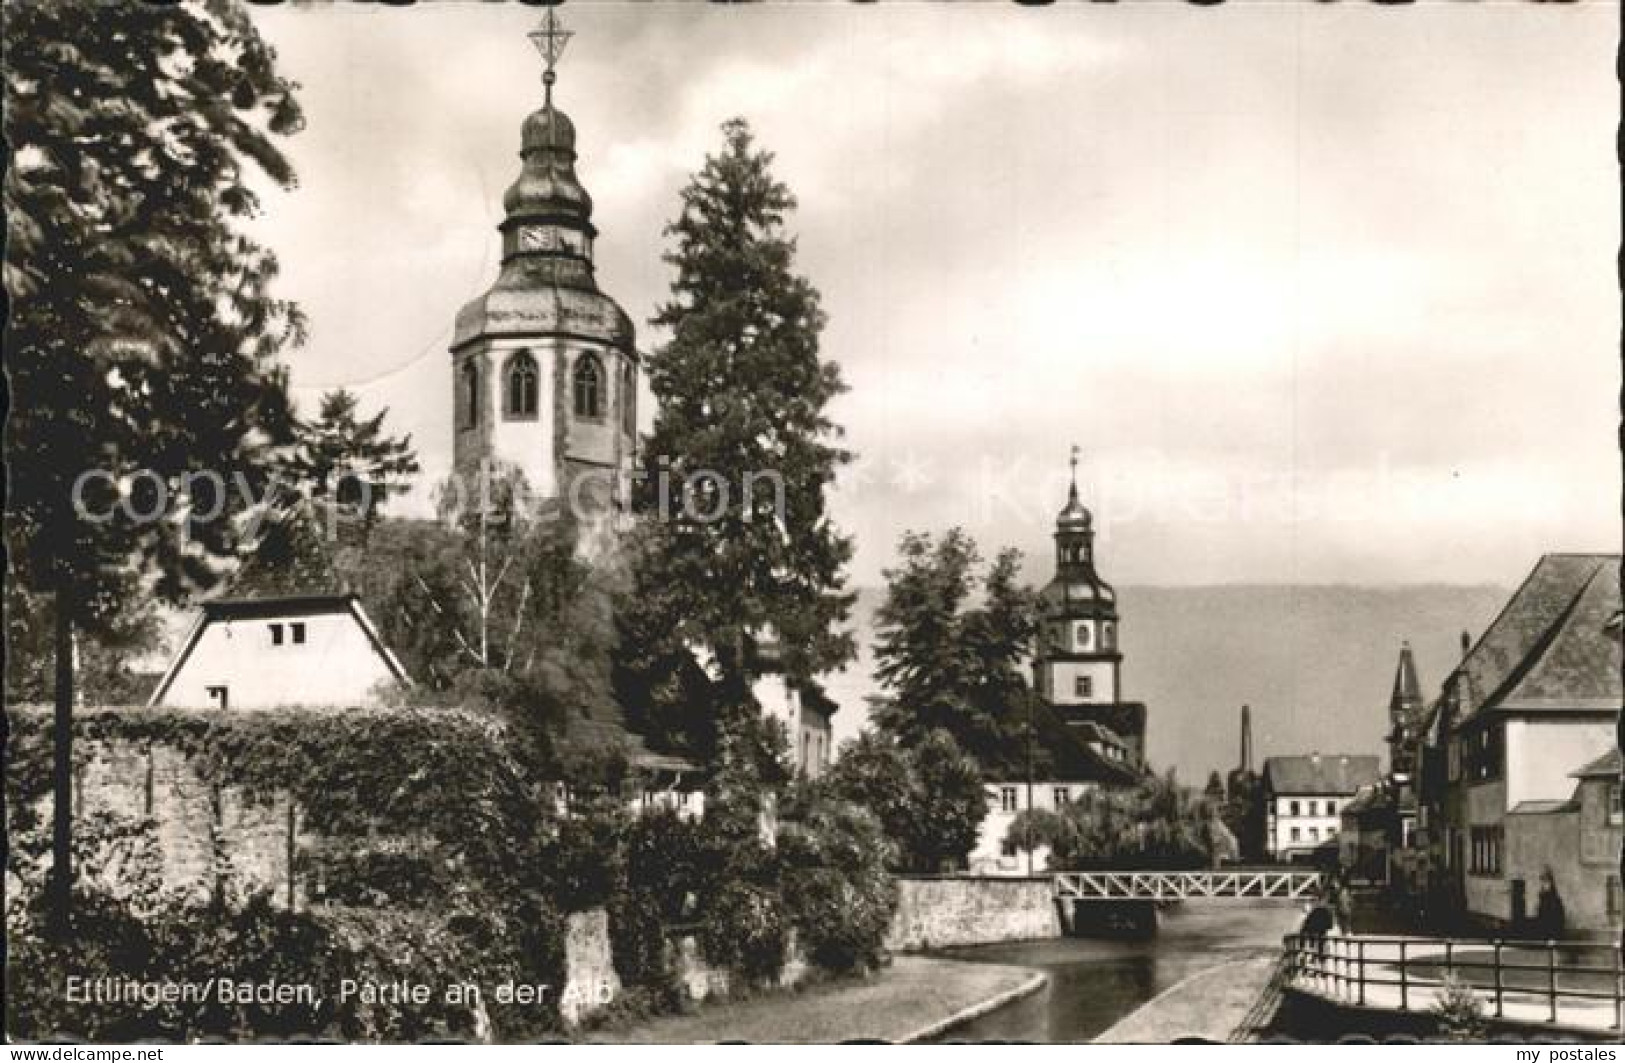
(946, 664)
(492, 605)
(347, 460)
(143, 331)
(922, 660)
(952, 806)
(1157, 825)
(743, 447)
(929, 799)
(1243, 813)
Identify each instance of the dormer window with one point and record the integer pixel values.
(522, 387)
(588, 387)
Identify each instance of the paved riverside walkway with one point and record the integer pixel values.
(914, 998)
(1524, 998)
(1209, 1005)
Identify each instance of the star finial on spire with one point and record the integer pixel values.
(550, 39)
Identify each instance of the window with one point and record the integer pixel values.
(1331, 808)
(522, 386)
(1297, 835)
(471, 394)
(629, 396)
(298, 634)
(1108, 636)
(1314, 808)
(1485, 857)
(219, 695)
(1294, 808)
(1007, 799)
(1482, 754)
(276, 634)
(1007, 849)
(1082, 634)
(1614, 810)
(1083, 686)
(1314, 834)
(589, 387)
(1062, 796)
(1614, 899)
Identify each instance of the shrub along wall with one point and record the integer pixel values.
(203, 838)
(314, 845)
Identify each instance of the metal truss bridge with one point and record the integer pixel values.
(1180, 885)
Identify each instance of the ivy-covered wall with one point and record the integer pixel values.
(316, 845)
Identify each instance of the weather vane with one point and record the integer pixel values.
(550, 40)
(1076, 451)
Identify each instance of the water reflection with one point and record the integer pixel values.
(1095, 983)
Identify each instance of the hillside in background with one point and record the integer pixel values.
(1316, 663)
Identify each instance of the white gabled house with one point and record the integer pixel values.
(265, 651)
(288, 631)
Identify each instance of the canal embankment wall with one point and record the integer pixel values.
(942, 911)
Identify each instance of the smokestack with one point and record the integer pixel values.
(1246, 740)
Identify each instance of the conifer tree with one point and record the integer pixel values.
(143, 332)
(741, 544)
(347, 460)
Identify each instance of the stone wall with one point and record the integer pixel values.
(205, 837)
(937, 912)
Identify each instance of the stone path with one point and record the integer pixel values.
(914, 998)
(1209, 1004)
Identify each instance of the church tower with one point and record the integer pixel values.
(1405, 709)
(544, 365)
(1078, 669)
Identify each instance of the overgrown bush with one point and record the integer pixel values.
(743, 928)
(837, 893)
(432, 857)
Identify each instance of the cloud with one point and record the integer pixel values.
(1211, 246)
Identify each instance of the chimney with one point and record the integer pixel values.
(1466, 644)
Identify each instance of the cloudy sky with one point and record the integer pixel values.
(1325, 293)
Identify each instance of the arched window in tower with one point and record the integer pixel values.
(522, 385)
(471, 394)
(629, 395)
(1108, 635)
(589, 387)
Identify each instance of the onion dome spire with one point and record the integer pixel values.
(1075, 516)
(546, 284)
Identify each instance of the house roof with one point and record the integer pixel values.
(1364, 800)
(1606, 766)
(1551, 647)
(1320, 773)
(1541, 808)
(290, 561)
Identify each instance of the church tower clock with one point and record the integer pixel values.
(544, 365)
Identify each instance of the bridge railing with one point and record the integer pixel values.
(1180, 885)
(1574, 983)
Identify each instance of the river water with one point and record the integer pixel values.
(1094, 983)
